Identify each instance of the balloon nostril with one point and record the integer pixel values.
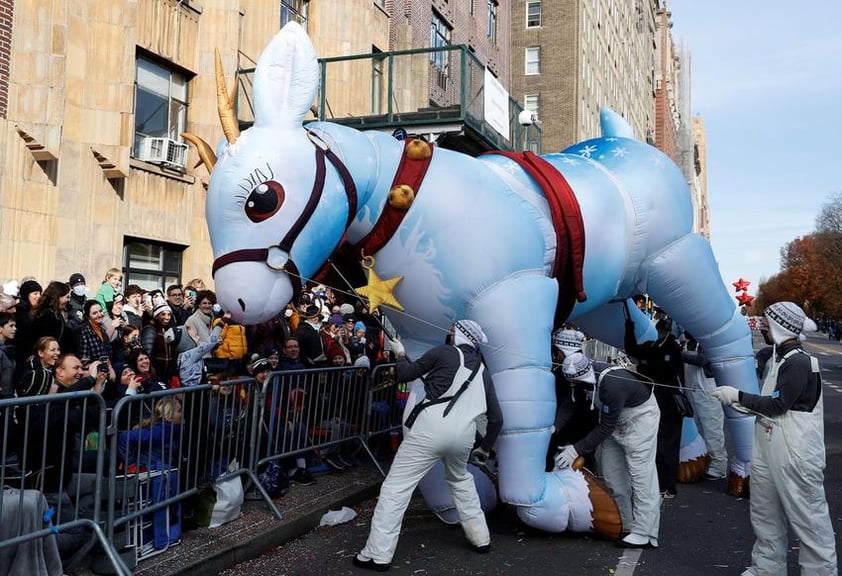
(242, 304)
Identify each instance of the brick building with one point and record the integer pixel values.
(572, 57)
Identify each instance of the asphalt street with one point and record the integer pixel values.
(704, 531)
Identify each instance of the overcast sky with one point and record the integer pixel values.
(767, 78)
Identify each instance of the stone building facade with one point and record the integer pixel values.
(701, 214)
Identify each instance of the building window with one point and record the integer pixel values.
(377, 63)
(296, 10)
(160, 102)
(151, 265)
(533, 60)
(532, 103)
(491, 31)
(533, 14)
(439, 38)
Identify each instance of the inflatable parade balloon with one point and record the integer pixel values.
(740, 285)
(519, 243)
(745, 299)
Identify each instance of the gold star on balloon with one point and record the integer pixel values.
(379, 291)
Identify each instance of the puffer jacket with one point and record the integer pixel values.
(234, 345)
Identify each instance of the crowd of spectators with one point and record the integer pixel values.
(118, 341)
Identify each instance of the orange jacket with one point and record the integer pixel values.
(234, 344)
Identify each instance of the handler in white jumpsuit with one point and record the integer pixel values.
(443, 425)
(787, 477)
(627, 438)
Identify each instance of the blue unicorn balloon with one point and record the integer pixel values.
(480, 238)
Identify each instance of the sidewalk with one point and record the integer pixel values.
(209, 551)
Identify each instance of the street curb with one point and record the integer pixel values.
(254, 547)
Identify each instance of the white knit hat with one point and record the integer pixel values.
(11, 288)
(161, 307)
(568, 341)
(577, 366)
(786, 321)
(468, 332)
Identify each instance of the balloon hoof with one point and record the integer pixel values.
(738, 485)
(605, 516)
(693, 470)
(578, 463)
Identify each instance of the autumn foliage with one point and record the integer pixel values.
(811, 269)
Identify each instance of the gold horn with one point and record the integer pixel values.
(225, 104)
(206, 154)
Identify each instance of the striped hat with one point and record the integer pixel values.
(260, 365)
(568, 341)
(577, 366)
(468, 332)
(786, 321)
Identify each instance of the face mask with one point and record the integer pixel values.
(79, 290)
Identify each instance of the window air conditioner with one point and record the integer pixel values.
(163, 151)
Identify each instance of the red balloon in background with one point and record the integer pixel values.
(745, 299)
(741, 285)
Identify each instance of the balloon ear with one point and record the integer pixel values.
(286, 79)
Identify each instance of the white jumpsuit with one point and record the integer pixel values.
(627, 461)
(709, 417)
(433, 436)
(787, 483)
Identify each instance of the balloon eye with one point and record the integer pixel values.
(264, 201)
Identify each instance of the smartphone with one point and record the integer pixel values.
(103, 364)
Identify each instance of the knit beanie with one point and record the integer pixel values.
(161, 307)
(334, 349)
(11, 288)
(568, 341)
(28, 288)
(260, 365)
(578, 367)
(786, 321)
(468, 332)
(360, 325)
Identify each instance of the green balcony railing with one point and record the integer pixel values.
(433, 89)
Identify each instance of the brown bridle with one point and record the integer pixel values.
(322, 151)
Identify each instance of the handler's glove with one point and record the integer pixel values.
(565, 456)
(726, 394)
(478, 457)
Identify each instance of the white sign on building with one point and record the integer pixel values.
(496, 105)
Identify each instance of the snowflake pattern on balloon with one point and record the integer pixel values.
(587, 151)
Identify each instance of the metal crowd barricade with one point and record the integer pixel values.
(165, 447)
(600, 351)
(51, 483)
(387, 402)
(313, 410)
